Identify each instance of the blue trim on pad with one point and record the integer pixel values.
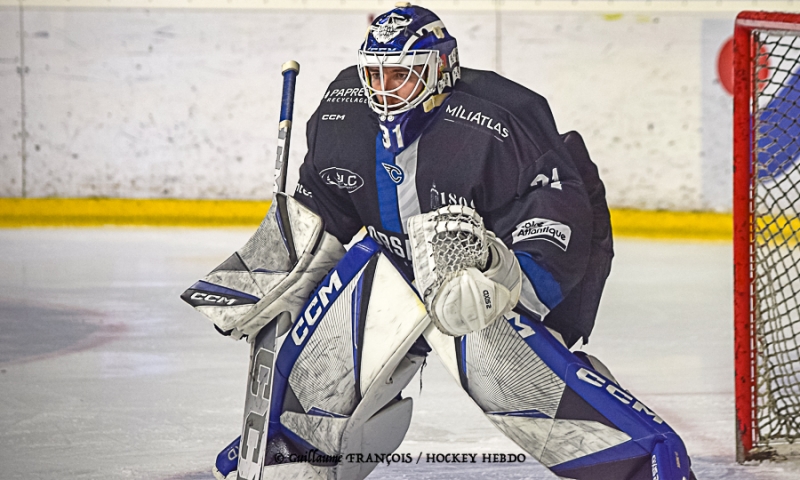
(347, 268)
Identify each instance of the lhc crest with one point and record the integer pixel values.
(390, 27)
(778, 133)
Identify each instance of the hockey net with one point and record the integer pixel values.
(767, 234)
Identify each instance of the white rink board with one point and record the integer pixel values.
(183, 103)
(631, 87)
(164, 103)
(10, 104)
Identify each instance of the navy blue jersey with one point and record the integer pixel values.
(491, 145)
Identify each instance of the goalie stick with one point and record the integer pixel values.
(264, 348)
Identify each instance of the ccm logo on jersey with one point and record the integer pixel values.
(543, 229)
(333, 116)
(315, 308)
(342, 178)
(598, 381)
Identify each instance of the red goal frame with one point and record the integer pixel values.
(743, 232)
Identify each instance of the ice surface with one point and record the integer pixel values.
(106, 373)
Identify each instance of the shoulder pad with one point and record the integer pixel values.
(349, 73)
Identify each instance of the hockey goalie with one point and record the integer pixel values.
(489, 242)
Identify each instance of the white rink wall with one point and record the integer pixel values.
(182, 102)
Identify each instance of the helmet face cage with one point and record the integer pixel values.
(422, 69)
(414, 39)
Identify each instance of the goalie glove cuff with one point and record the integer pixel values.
(504, 268)
(470, 300)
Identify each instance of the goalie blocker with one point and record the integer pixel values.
(272, 274)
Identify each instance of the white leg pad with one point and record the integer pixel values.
(324, 377)
(382, 434)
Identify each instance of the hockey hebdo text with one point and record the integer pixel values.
(315, 456)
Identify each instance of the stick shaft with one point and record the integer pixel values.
(253, 443)
(290, 70)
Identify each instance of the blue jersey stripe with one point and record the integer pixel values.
(387, 190)
(547, 288)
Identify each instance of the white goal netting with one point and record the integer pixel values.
(776, 233)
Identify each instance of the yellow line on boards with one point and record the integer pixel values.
(90, 212)
(671, 225)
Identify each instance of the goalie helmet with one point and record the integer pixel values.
(416, 40)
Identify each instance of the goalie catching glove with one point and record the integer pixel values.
(466, 276)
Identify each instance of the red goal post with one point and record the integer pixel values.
(766, 210)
